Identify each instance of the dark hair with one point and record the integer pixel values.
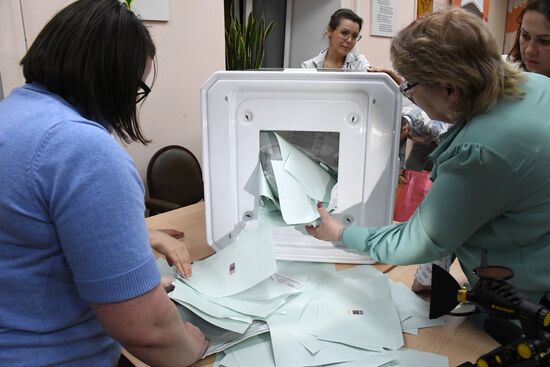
(541, 6)
(336, 17)
(93, 53)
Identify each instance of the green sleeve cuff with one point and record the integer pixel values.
(355, 237)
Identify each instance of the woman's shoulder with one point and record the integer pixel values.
(48, 119)
(356, 62)
(504, 135)
(315, 62)
(536, 81)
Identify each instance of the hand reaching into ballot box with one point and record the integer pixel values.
(330, 229)
(175, 251)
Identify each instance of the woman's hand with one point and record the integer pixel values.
(329, 230)
(172, 232)
(174, 251)
(396, 78)
(197, 340)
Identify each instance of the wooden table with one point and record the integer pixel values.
(458, 338)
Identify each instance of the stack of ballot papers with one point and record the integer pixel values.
(258, 311)
(293, 183)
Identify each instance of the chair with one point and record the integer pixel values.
(174, 179)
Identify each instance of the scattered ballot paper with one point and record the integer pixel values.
(246, 262)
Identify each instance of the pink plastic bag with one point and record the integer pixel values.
(410, 194)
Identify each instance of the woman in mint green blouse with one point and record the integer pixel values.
(491, 173)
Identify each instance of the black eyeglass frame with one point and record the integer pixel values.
(355, 38)
(144, 92)
(406, 87)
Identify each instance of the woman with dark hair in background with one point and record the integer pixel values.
(532, 46)
(343, 34)
(491, 188)
(78, 275)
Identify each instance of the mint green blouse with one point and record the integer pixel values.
(491, 190)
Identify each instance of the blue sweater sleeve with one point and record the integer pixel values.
(91, 190)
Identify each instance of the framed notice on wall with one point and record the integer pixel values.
(383, 14)
(158, 10)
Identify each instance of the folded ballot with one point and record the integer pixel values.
(220, 338)
(292, 182)
(227, 321)
(246, 262)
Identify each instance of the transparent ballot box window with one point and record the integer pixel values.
(275, 143)
(298, 170)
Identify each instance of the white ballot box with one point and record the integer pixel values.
(299, 132)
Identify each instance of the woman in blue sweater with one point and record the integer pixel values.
(79, 279)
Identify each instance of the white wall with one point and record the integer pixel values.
(308, 24)
(12, 36)
(190, 47)
(12, 44)
(377, 49)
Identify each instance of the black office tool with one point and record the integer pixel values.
(525, 346)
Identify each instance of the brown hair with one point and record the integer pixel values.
(455, 47)
(541, 6)
(344, 13)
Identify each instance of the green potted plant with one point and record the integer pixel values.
(245, 44)
(128, 3)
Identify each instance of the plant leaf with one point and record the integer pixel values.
(245, 44)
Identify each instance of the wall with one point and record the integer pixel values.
(12, 44)
(308, 25)
(190, 47)
(377, 49)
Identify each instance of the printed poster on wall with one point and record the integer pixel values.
(383, 14)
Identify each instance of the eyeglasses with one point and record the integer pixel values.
(141, 94)
(345, 34)
(406, 88)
